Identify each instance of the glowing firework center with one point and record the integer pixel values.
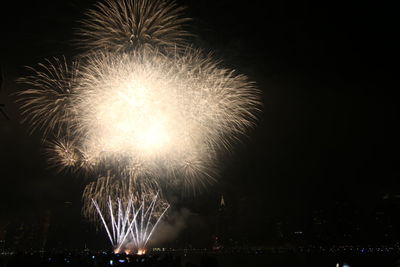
(132, 114)
(129, 120)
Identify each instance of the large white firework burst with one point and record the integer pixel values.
(140, 112)
(144, 112)
(176, 111)
(125, 25)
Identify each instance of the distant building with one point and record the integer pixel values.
(221, 237)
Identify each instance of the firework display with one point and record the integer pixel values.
(130, 223)
(115, 187)
(140, 108)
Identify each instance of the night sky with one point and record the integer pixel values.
(327, 132)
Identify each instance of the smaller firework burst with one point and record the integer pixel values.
(46, 103)
(130, 224)
(62, 154)
(126, 25)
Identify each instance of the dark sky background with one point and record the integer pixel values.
(327, 132)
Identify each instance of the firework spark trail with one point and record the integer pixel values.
(125, 25)
(131, 224)
(120, 230)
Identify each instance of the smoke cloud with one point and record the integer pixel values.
(169, 229)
